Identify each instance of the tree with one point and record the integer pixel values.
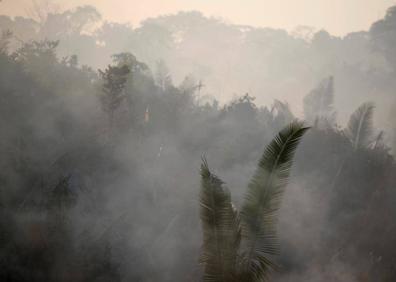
(221, 229)
(359, 132)
(129, 60)
(383, 36)
(114, 80)
(162, 75)
(318, 104)
(360, 126)
(281, 114)
(242, 109)
(71, 22)
(241, 246)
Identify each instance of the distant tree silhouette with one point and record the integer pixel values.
(318, 104)
(114, 80)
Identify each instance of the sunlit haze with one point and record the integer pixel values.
(336, 16)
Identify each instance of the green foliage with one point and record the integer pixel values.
(114, 80)
(263, 200)
(129, 60)
(221, 231)
(226, 255)
(37, 50)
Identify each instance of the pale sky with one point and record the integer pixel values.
(337, 16)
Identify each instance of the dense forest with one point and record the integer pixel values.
(104, 128)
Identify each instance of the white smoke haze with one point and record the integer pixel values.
(104, 125)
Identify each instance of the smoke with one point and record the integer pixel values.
(94, 192)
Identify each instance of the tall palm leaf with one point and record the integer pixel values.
(221, 231)
(360, 126)
(359, 131)
(258, 215)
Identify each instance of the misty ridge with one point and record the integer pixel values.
(104, 128)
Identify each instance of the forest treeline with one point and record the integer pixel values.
(99, 170)
(229, 58)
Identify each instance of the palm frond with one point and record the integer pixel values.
(262, 201)
(221, 230)
(360, 126)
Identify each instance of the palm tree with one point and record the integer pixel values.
(359, 132)
(241, 246)
(360, 126)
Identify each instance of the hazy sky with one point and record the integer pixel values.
(336, 16)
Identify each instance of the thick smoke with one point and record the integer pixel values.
(99, 169)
